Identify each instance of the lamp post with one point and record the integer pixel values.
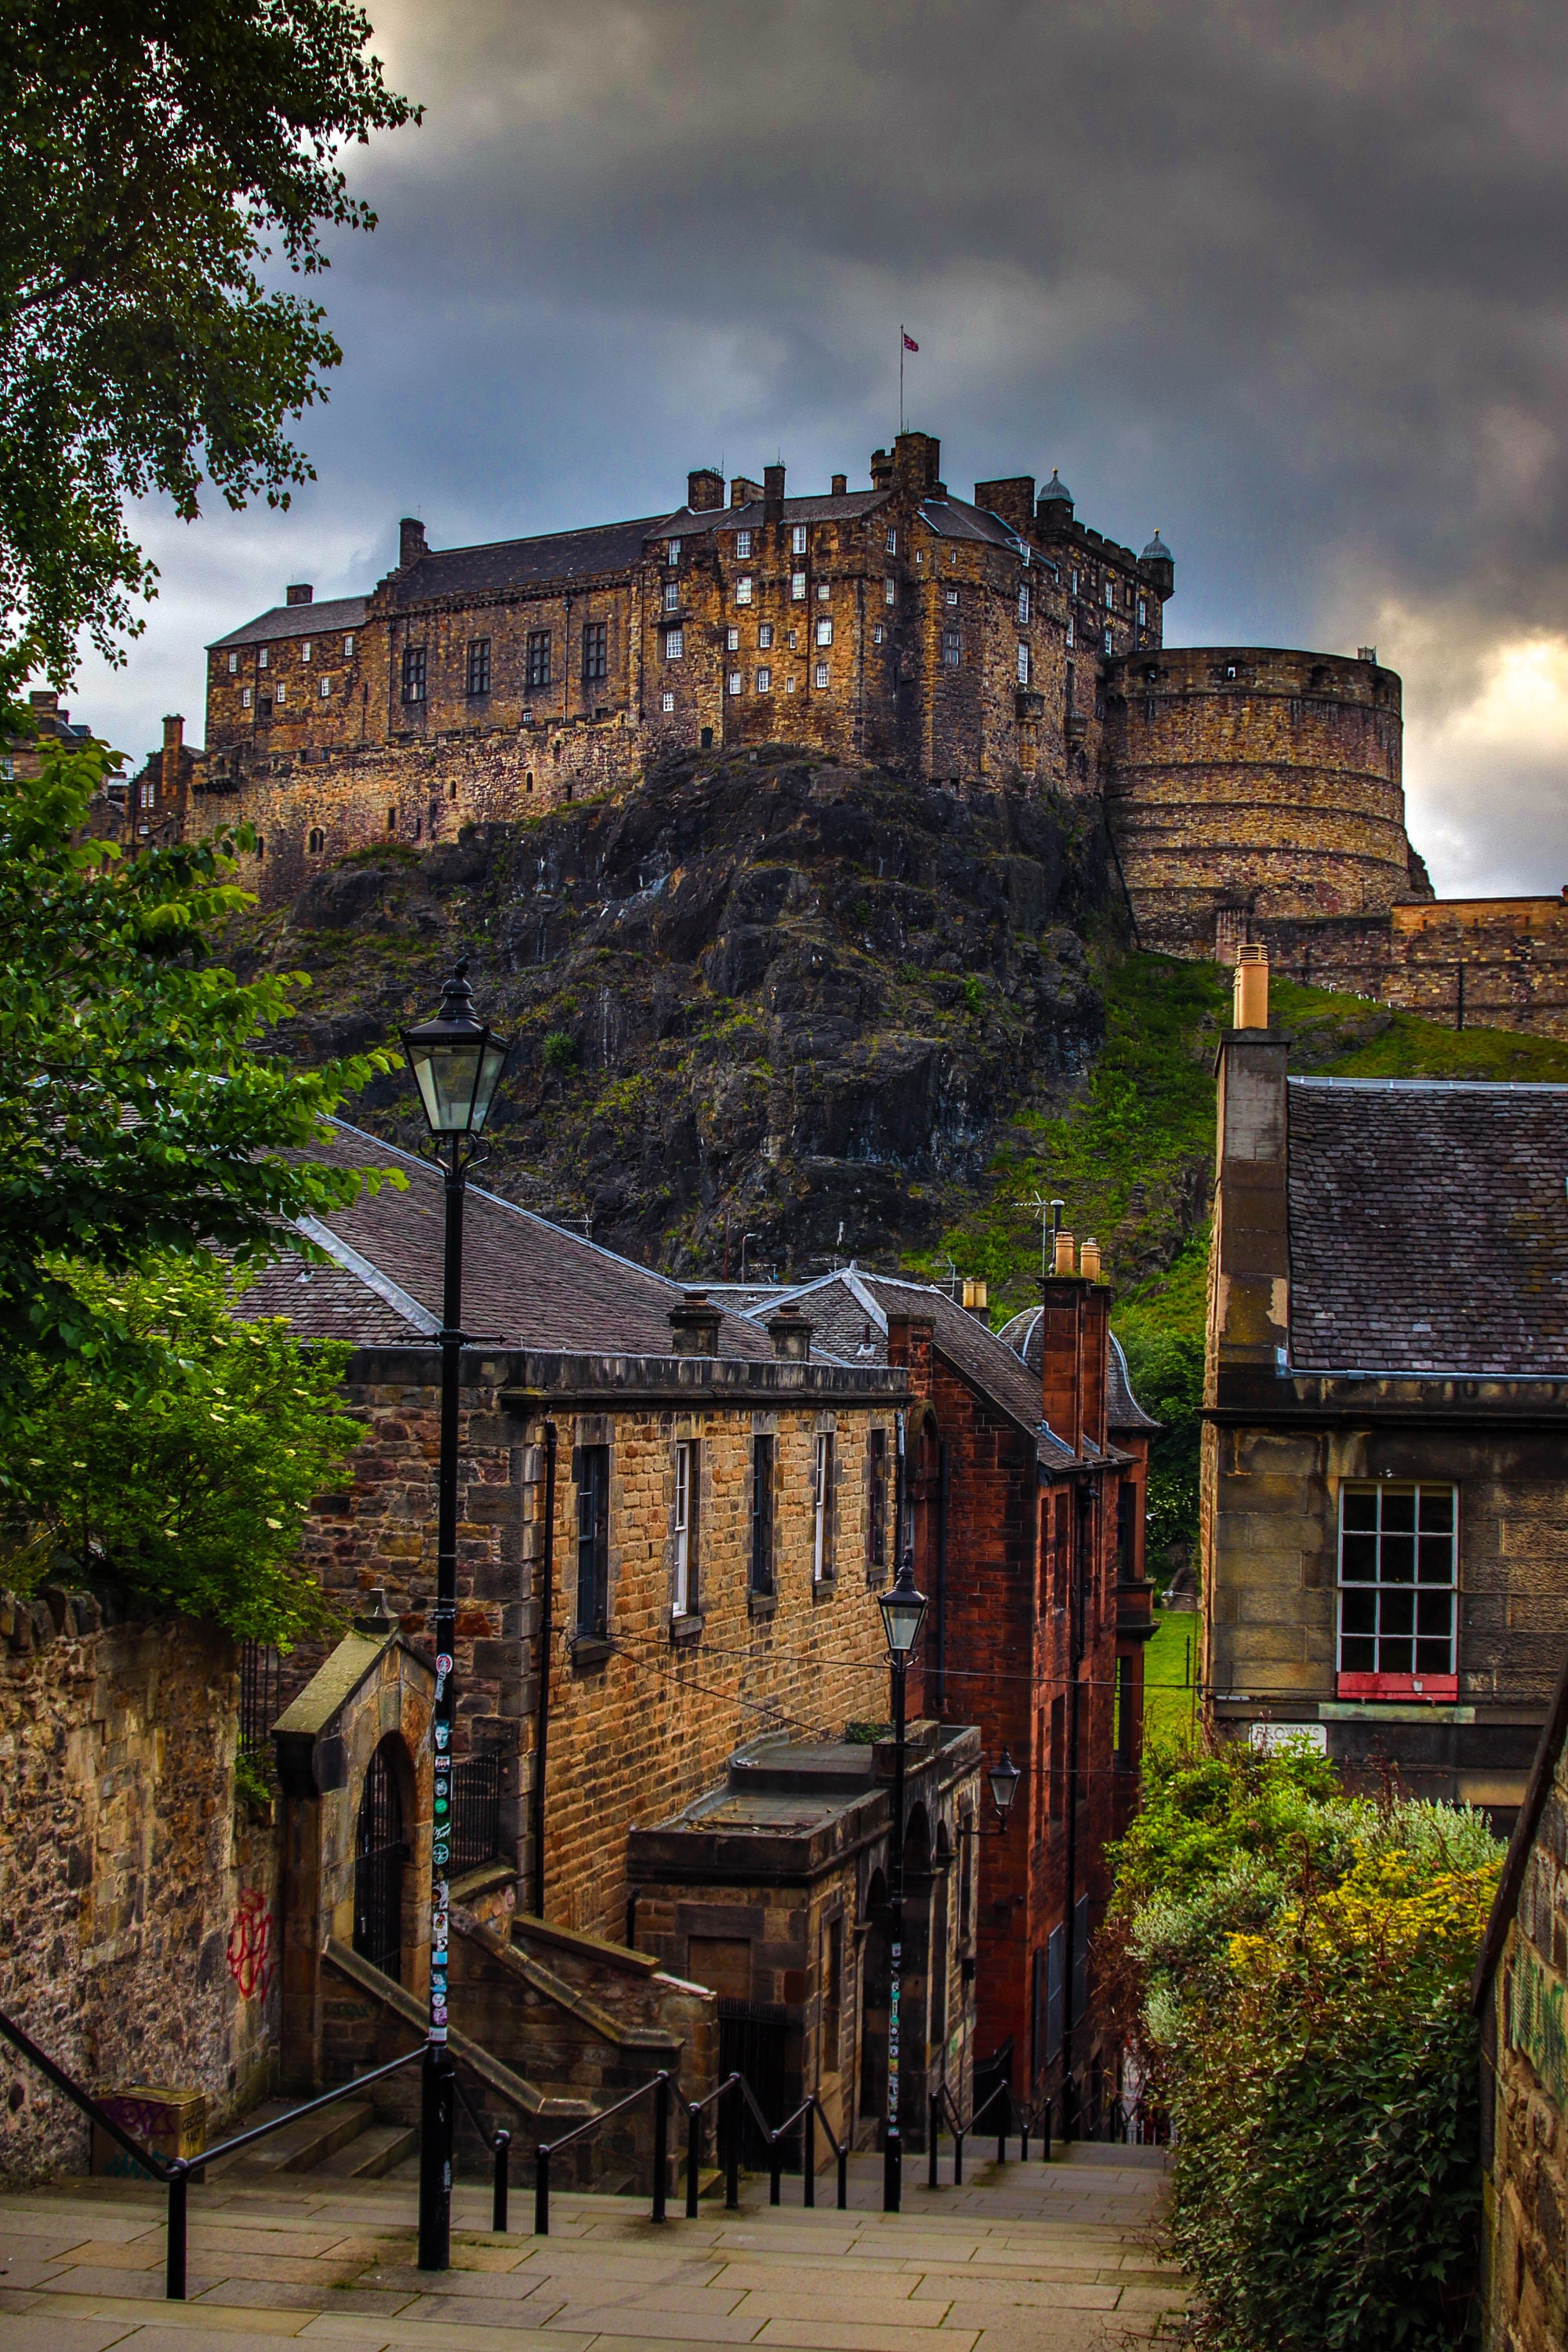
(457, 1062)
(904, 1610)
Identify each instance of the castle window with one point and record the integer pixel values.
(245, 698)
(743, 542)
(528, 718)
(1230, 670)
(478, 666)
(798, 587)
(348, 647)
(305, 649)
(737, 681)
(952, 648)
(591, 1467)
(282, 691)
(326, 689)
(797, 540)
(1023, 665)
(264, 706)
(262, 845)
(538, 659)
(765, 636)
(792, 641)
(1111, 595)
(743, 589)
(316, 841)
(413, 673)
(822, 1513)
(666, 702)
(878, 634)
(261, 658)
(149, 794)
(764, 681)
(821, 673)
(1023, 603)
(731, 641)
(1075, 580)
(595, 651)
(392, 820)
(1110, 645)
(233, 664)
(674, 645)
(824, 592)
(671, 595)
(452, 789)
(950, 595)
(920, 555)
(1072, 639)
(890, 592)
(672, 551)
(824, 633)
(1143, 613)
(893, 542)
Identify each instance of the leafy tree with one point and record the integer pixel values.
(180, 1476)
(149, 155)
(136, 1117)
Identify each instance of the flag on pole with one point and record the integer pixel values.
(910, 343)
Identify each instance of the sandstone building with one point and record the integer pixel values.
(1386, 1396)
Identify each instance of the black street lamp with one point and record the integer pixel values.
(904, 1610)
(1004, 1778)
(457, 1062)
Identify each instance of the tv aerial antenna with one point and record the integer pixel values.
(1049, 1213)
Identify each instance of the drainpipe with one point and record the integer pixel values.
(940, 1708)
(544, 1645)
(1082, 1522)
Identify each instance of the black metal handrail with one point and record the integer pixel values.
(175, 2173)
(500, 2145)
(659, 2085)
(1014, 2117)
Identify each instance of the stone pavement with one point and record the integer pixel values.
(1043, 2258)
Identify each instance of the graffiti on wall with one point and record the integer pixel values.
(1536, 2023)
(251, 1954)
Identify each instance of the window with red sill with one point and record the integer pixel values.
(1399, 1573)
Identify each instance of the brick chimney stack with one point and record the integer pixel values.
(704, 490)
(299, 593)
(172, 787)
(791, 1334)
(694, 1326)
(772, 494)
(1249, 1299)
(410, 543)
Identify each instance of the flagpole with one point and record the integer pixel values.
(901, 375)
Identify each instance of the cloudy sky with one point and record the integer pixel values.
(1286, 279)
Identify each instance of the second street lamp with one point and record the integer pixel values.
(904, 1610)
(457, 1062)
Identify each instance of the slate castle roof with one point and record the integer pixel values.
(1428, 1227)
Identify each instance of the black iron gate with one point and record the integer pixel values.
(381, 1854)
(753, 2041)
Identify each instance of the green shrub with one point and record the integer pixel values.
(559, 1051)
(1298, 1964)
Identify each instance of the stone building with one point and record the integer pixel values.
(1382, 1485)
(1024, 1474)
(1521, 1995)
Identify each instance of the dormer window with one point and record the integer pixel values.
(672, 551)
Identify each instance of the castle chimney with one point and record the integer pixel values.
(743, 491)
(1088, 1261)
(790, 1334)
(410, 543)
(840, 485)
(917, 463)
(694, 1326)
(704, 490)
(1251, 1002)
(299, 593)
(43, 698)
(772, 494)
(1012, 499)
(881, 470)
(1063, 1262)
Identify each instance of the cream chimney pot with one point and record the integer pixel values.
(1088, 1261)
(1250, 1009)
(1064, 1257)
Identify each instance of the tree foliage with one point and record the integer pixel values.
(151, 155)
(137, 1117)
(179, 1476)
(1298, 1962)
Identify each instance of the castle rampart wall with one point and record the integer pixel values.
(1244, 777)
(1473, 964)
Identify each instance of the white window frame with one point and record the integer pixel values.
(245, 698)
(1072, 635)
(824, 592)
(672, 551)
(684, 1527)
(667, 701)
(766, 637)
(672, 596)
(304, 649)
(764, 681)
(1110, 594)
(1142, 612)
(892, 538)
(347, 648)
(674, 645)
(890, 592)
(743, 589)
(737, 681)
(234, 665)
(950, 595)
(951, 649)
(281, 692)
(878, 634)
(1024, 665)
(261, 658)
(325, 689)
(798, 587)
(1110, 643)
(789, 684)
(1427, 1550)
(743, 542)
(822, 1509)
(797, 539)
(731, 641)
(822, 676)
(824, 633)
(1024, 604)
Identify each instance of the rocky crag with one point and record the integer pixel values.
(760, 997)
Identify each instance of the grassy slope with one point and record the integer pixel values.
(1133, 1159)
(1169, 1663)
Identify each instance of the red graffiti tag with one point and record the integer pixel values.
(250, 1945)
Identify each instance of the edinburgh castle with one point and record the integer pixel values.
(982, 645)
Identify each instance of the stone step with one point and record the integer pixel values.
(371, 2154)
(1113, 2152)
(301, 2147)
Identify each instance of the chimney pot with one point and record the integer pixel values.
(410, 543)
(1250, 1006)
(790, 1334)
(976, 1294)
(299, 593)
(1088, 1261)
(1064, 1262)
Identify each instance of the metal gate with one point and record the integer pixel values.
(753, 2041)
(381, 1854)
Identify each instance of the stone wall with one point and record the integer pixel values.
(1475, 963)
(140, 1916)
(1524, 2090)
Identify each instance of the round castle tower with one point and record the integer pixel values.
(1243, 780)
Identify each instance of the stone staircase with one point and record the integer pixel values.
(1037, 2258)
(345, 2142)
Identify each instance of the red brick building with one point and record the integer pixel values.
(1025, 1468)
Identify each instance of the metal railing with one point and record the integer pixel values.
(175, 2172)
(544, 2154)
(1011, 2118)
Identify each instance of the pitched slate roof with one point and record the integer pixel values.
(1122, 1408)
(526, 1283)
(956, 518)
(1428, 1226)
(525, 562)
(847, 507)
(297, 621)
(848, 1311)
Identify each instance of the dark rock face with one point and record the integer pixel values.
(758, 996)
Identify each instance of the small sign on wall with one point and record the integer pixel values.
(1270, 1737)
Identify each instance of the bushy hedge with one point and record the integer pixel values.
(1294, 1963)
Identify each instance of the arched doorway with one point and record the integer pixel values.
(380, 1857)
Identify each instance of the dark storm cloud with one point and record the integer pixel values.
(1286, 281)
